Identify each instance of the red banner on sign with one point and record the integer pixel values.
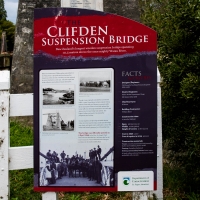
(91, 36)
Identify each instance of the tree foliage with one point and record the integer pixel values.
(177, 23)
(3, 13)
(7, 26)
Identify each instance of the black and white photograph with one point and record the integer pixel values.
(69, 164)
(95, 81)
(58, 119)
(58, 94)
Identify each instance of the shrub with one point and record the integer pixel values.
(177, 23)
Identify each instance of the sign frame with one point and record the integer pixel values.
(67, 48)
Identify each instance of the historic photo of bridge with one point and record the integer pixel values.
(58, 119)
(95, 81)
(58, 94)
(76, 165)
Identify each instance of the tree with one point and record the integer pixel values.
(72, 123)
(178, 25)
(108, 81)
(9, 28)
(3, 13)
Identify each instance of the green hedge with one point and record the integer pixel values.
(177, 23)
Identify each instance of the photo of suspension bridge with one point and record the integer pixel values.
(58, 120)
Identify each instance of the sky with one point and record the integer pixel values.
(95, 75)
(11, 7)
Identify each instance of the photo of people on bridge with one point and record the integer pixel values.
(93, 167)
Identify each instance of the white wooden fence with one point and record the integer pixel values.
(13, 158)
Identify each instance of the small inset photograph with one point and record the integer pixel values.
(58, 120)
(95, 81)
(58, 94)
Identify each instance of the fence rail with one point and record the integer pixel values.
(14, 158)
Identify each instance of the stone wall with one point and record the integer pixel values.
(22, 65)
(126, 8)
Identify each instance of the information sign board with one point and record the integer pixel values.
(95, 102)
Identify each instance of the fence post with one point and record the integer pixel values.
(50, 196)
(159, 191)
(4, 134)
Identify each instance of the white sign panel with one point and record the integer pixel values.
(86, 4)
(135, 181)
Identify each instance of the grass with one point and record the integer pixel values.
(20, 135)
(94, 89)
(21, 181)
(176, 185)
(173, 183)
